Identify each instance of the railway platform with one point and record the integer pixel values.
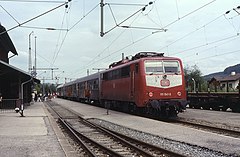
(32, 135)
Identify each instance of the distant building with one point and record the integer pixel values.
(228, 83)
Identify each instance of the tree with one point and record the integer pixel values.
(45, 88)
(191, 73)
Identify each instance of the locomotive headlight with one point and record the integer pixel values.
(179, 93)
(150, 94)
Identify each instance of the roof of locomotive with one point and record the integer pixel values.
(138, 57)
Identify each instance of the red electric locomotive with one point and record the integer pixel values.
(149, 82)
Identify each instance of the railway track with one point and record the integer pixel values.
(98, 141)
(214, 129)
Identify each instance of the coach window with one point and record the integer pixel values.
(95, 84)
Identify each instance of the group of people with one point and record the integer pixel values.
(39, 97)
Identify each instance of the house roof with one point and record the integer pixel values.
(5, 41)
(228, 78)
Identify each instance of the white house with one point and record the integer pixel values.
(231, 81)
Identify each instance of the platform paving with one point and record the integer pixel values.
(31, 135)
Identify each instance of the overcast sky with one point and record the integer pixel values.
(199, 32)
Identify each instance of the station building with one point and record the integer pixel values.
(15, 84)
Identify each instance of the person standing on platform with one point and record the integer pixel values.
(1, 99)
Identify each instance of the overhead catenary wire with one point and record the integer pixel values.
(213, 42)
(216, 55)
(10, 14)
(134, 27)
(132, 41)
(126, 46)
(118, 24)
(188, 34)
(74, 25)
(64, 38)
(120, 34)
(215, 46)
(207, 44)
(231, 24)
(171, 23)
(45, 28)
(20, 24)
(33, 1)
(174, 22)
(145, 37)
(110, 44)
(126, 4)
(57, 48)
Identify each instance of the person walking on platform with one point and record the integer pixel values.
(35, 97)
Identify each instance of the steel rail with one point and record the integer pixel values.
(77, 135)
(83, 144)
(140, 147)
(219, 130)
(106, 150)
(143, 144)
(113, 134)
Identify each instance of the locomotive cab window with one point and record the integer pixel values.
(171, 66)
(159, 66)
(153, 67)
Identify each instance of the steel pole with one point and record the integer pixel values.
(101, 5)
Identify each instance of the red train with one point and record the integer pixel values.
(149, 83)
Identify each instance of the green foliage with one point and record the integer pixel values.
(45, 88)
(191, 73)
(38, 88)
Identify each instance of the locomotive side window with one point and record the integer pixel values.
(117, 73)
(125, 71)
(171, 66)
(105, 76)
(110, 75)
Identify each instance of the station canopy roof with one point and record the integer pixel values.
(12, 73)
